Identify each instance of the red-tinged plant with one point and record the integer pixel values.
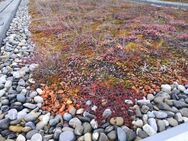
(106, 96)
(183, 37)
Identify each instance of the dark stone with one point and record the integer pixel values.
(164, 106)
(11, 136)
(142, 134)
(4, 123)
(144, 109)
(5, 133)
(180, 104)
(5, 108)
(138, 111)
(84, 119)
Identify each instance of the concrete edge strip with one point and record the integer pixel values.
(5, 5)
(170, 133)
(6, 17)
(164, 3)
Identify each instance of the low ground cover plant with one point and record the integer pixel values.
(112, 46)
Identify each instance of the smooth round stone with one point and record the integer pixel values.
(36, 137)
(166, 88)
(152, 122)
(33, 94)
(67, 136)
(87, 137)
(185, 119)
(31, 133)
(72, 111)
(21, 98)
(67, 116)
(143, 102)
(47, 137)
(129, 102)
(2, 92)
(121, 134)
(94, 124)
(12, 114)
(20, 138)
(80, 138)
(54, 121)
(57, 133)
(79, 130)
(112, 135)
(87, 127)
(141, 133)
(160, 114)
(131, 135)
(179, 104)
(103, 137)
(181, 88)
(95, 136)
(38, 99)
(5, 102)
(149, 130)
(8, 84)
(23, 90)
(89, 115)
(144, 109)
(166, 123)
(4, 123)
(29, 105)
(109, 129)
(44, 119)
(137, 111)
(39, 91)
(32, 67)
(184, 112)
(172, 122)
(161, 125)
(31, 116)
(89, 102)
(16, 128)
(107, 113)
(74, 122)
(3, 79)
(178, 117)
(67, 129)
(138, 123)
(80, 111)
(117, 121)
(30, 125)
(17, 74)
(150, 114)
(22, 114)
(21, 82)
(12, 136)
(150, 97)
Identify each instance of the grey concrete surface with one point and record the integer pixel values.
(4, 4)
(178, 5)
(8, 10)
(178, 133)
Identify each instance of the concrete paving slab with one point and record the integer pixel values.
(8, 10)
(178, 133)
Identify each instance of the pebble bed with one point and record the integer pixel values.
(21, 117)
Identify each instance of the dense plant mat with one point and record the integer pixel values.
(89, 45)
